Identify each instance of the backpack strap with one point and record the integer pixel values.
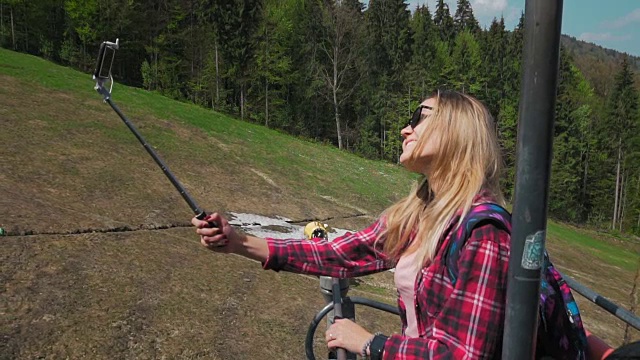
(554, 291)
(557, 337)
(478, 215)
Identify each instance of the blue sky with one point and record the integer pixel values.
(613, 24)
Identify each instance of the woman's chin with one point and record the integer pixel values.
(405, 161)
(412, 165)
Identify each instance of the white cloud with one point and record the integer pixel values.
(607, 36)
(489, 6)
(623, 21)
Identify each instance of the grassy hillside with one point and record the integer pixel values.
(81, 157)
(71, 175)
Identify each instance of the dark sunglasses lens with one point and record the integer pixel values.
(415, 119)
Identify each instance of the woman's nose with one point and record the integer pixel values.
(405, 131)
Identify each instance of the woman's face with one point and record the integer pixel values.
(423, 157)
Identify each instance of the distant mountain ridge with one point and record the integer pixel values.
(598, 64)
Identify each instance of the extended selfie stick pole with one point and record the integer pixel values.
(543, 20)
(103, 74)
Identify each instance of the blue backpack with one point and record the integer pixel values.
(560, 331)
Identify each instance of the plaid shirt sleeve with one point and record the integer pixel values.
(469, 322)
(350, 255)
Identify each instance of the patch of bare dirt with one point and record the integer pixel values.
(149, 294)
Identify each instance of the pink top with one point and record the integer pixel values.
(405, 278)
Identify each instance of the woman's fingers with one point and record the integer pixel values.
(212, 232)
(333, 339)
(346, 334)
(198, 223)
(216, 239)
(212, 219)
(207, 231)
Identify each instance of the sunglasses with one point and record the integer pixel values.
(417, 115)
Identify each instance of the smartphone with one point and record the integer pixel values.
(104, 61)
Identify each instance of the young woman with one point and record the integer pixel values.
(451, 140)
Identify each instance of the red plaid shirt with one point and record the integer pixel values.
(464, 321)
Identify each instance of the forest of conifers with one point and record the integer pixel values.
(348, 74)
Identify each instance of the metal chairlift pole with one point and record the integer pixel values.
(543, 22)
(334, 291)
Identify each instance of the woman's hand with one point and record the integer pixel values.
(346, 334)
(223, 238)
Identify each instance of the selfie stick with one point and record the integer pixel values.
(103, 74)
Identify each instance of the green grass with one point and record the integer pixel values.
(327, 170)
(43, 72)
(612, 254)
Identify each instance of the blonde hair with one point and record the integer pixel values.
(467, 160)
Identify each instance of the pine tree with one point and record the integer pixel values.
(310, 114)
(389, 40)
(443, 63)
(273, 61)
(444, 22)
(464, 18)
(572, 143)
(622, 110)
(388, 52)
(507, 118)
(422, 70)
(237, 22)
(495, 62)
(634, 185)
(466, 59)
(513, 66)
